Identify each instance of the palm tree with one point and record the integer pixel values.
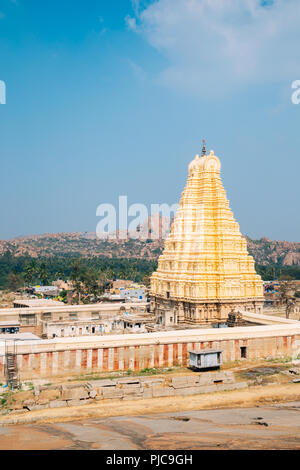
(43, 274)
(77, 275)
(31, 270)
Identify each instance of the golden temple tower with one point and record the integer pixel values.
(205, 270)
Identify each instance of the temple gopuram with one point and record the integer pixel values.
(205, 271)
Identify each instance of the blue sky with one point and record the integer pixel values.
(109, 98)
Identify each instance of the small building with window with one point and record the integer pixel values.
(205, 359)
(9, 327)
(81, 327)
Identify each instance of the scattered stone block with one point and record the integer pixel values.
(131, 386)
(151, 381)
(133, 393)
(103, 383)
(36, 407)
(185, 381)
(206, 378)
(44, 401)
(187, 391)
(132, 397)
(88, 385)
(228, 377)
(77, 402)
(27, 403)
(162, 391)
(210, 378)
(57, 404)
(78, 393)
(207, 388)
(99, 397)
(56, 387)
(148, 392)
(49, 395)
(129, 380)
(234, 386)
(112, 393)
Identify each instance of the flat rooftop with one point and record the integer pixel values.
(3, 324)
(19, 337)
(38, 303)
(62, 307)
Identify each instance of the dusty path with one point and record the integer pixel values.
(266, 427)
(250, 397)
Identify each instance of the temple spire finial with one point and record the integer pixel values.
(203, 148)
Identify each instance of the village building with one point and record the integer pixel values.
(33, 314)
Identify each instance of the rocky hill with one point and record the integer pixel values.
(264, 251)
(83, 244)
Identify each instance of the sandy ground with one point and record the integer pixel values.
(253, 396)
(266, 427)
(263, 416)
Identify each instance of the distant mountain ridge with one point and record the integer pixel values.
(86, 244)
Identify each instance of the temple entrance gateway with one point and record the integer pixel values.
(205, 270)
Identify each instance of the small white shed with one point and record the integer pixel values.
(205, 358)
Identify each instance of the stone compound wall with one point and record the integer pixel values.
(73, 356)
(129, 388)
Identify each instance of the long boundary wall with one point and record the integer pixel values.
(70, 356)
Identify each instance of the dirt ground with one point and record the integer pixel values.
(267, 381)
(7, 299)
(254, 396)
(260, 427)
(266, 415)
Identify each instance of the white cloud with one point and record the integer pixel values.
(138, 72)
(215, 45)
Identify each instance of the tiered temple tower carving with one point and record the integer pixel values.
(205, 270)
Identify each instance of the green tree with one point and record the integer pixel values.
(286, 296)
(91, 283)
(14, 282)
(30, 271)
(43, 274)
(77, 276)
